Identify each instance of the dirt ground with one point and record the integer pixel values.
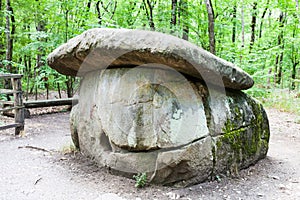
(38, 166)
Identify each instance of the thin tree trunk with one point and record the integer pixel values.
(279, 69)
(35, 86)
(2, 42)
(243, 25)
(88, 7)
(173, 14)
(58, 89)
(149, 13)
(294, 56)
(279, 57)
(106, 8)
(66, 25)
(69, 83)
(151, 22)
(114, 10)
(1, 15)
(10, 31)
(99, 15)
(253, 25)
(27, 61)
(294, 73)
(211, 27)
(39, 28)
(184, 13)
(47, 88)
(233, 24)
(269, 79)
(262, 19)
(27, 73)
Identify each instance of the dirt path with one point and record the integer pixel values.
(35, 167)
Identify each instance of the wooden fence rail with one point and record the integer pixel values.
(16, 105)
(19, 106)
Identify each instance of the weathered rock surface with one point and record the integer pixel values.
(156, 121)
(153, 103)
(102, 48)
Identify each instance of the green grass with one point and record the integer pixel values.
(281, 99)
(69, 148)
(140, 180)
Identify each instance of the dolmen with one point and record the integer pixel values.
(156, 104)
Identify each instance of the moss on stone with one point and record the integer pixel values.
(243, 144)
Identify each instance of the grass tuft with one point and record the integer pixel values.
(68, 149)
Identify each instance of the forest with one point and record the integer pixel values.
(261, 37)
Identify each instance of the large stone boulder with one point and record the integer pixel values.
(167, 108)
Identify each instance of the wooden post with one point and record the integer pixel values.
(18, 104)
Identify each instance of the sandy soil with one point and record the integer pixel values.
(38, 166)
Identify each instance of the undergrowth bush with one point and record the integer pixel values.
(282, 99)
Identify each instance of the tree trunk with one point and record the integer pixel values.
(253, 25)
(173, 15)
(27, 64)
(184, 13)
(69, 83)
(114, 10)
(211, 27)
(66, 25)
(279, 57)
(88, 7)
(233, 24)
(294, 56)
(262, 19)
(294, 73)
(2, 49)
(58, 90)
(149, 13)
(99, 13)
(269, 79)
(243, 25)
(1, 15)
(39, 63)
(106, 8)
(10, 31)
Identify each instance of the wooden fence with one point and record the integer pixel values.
(19, 106)
(16, 104)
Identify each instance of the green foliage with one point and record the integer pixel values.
(140, 180)
(281, 99)
(59, 21)
(260, 93)
(284, 100)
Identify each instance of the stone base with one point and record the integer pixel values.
(179, 132)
